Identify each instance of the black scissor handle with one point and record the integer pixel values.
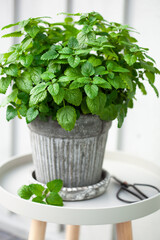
(124, 189)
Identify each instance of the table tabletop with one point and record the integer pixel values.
(105, 209)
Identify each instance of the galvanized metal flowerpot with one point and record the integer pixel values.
(76, 157)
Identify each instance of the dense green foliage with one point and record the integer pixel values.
(84, 66)
(45, 195)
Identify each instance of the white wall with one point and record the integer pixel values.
(141, 130)
(6, 17)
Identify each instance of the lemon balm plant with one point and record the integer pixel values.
(62, 70)
(70, 80)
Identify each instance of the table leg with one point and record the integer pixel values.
(37, 230)
(72, 232)
(124, 231)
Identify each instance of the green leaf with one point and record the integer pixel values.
(53, 89)
(102, 40)
(109, 113)
(84, 80)
(73, 61)
(83, 38)
(150, 76)
(55, 185)
(73, 96)
(97, 104)
(82, 51)
(13, 57)
(32, 30)
(13, 34)
(23, 23)
(70, 14)
(94, 61)
(38, 88)
(61, 61)
(130, 59)
(26, 44)
(66, 50)
(64, 79)
(127, 80)
(117, 82)
(35, 73)
(98, 80)
(26, 61)
(38, 200)
(87, 69)
(4, 84)
(24, 97)
(66, 117)
(59, 97)
(12, 70)
(100, 70)
(75, 85)
(24, 83)
(105, 85)
(110, 54)
(87, 28)
(154, 88)
(84, 107)
(23, 110)
(32, 113)
(51, 54)
(10, 25)
(121, 116)
(80, 82)
(73, 73)
(68, 20)
(64, 56)
(53, 67)
(148, 66)
(112, 66)
(34, 99)
(111, 75)
(54, 199)
(93, 104)
(11, 113)
(43, 107)
(91, 91)
(54, 80)
(24, 192)
(36, 189)
(150, 58)
(73, 43)
(10, 98)
(102, 102)
(142, 88)
(135, 49)
(47, 75)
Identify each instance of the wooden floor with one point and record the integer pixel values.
(16, 227)
(8, 236)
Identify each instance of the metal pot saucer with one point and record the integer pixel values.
(81, 193)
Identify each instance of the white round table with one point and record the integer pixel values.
(105, 209)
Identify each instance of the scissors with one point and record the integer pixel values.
(132, 189)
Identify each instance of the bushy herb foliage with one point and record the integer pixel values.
(84, 66)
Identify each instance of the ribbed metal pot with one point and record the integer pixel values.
(76, 157)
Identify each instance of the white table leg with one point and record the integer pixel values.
(72, 232)
(37, 230)
(124, 231)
